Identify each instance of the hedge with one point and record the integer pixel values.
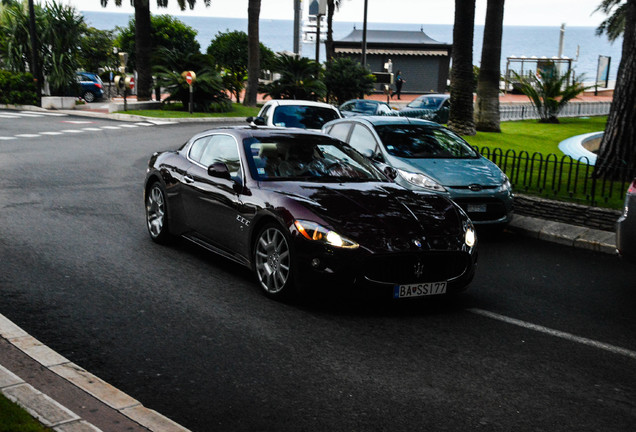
(17, 88)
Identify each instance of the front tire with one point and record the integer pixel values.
(273, 262)
(157, 214)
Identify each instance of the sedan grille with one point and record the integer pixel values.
(412, 268)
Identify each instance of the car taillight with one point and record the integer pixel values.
(98, 85)
(632, 188)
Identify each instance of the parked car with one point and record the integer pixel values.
(302, 209)
(355, 107)
(422, 155)
(92, 87)
(296, 113)
(433, 107)
(626, 226)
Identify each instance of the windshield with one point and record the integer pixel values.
(305, 117)
(307, 158)
(428, 102)
(423, 141)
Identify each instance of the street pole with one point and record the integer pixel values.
(364, 36)
(34, 54)
(318, 38)
(297, 27)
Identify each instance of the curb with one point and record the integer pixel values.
(55, 415)
(565, 234)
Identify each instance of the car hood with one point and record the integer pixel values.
(455, 172)
(381, 217)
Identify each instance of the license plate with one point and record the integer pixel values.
(419, 289)
(476, 208)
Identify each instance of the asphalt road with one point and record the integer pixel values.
(189, 335)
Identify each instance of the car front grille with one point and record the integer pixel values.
(413, 268)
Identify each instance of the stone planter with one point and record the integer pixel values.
(58, 102)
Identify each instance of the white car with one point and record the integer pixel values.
(290, 113)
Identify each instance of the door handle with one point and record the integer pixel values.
(188, 179)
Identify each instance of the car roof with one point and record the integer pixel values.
(384, 120)
(297, 102)
(435, 95)
(257, 131)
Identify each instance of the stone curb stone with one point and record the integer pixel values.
(46, 410)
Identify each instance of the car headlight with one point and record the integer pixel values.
(506, 186)
(469, 237)
(315, 232)
(421, 180)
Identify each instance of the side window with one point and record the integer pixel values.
(340, 130)
(265, 113)
(196, 151)
(347, 107)
(362, 139)
(217, 148)
(383, 109)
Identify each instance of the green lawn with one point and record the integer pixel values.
(238, 110)
(529, 154)
(531, 136)
(15, 419)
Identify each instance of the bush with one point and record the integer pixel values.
(347, 79)
(209, 93)
(17, 88)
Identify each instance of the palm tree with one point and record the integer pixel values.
(253, 52)
(617, 153)
(461, 118)
(143, 43)
(332, 7)
(487, 114)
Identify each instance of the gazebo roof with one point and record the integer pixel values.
(399, 37)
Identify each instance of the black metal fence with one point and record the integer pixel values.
(562, 178)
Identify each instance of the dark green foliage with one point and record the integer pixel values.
(208, 91)
(167, 33)
(96, 50)
(299, 79)
(17, 88)
(229, 52)
(549, 92)
(347, 79)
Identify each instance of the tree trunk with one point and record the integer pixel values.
(487, 114)
(143, 44)
(253, 52)
(617, 153)
(462, 81)
(331, 7)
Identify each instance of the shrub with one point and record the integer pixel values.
(347, 79)
(17, 88)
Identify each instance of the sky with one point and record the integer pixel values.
(517, 12)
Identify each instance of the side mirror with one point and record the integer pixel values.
(219, 170)
(256, 121)
(368, 153)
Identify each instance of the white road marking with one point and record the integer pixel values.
(72, 130)
(129, 126)
(78, 121)
(162, 122)
(6, 138)
(556, 333)
(9, 116)
(46, 113)
(144, 124)
(51, 133)
(110, 127)
(92, 129)
(27, 135)
(23, 114)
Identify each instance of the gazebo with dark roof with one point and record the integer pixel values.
(424, 62)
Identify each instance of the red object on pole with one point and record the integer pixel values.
(188, 78)
(131, 83)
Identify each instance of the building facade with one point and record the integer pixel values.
(423, 62)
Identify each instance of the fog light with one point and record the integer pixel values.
(315, 263)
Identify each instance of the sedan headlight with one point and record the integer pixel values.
(506, 186)
(315, 232)
(470, 237)
(421, 180)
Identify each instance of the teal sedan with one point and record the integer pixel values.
(422, 155)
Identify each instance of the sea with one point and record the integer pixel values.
(580, 43)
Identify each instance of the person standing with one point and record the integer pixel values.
(399, 81)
